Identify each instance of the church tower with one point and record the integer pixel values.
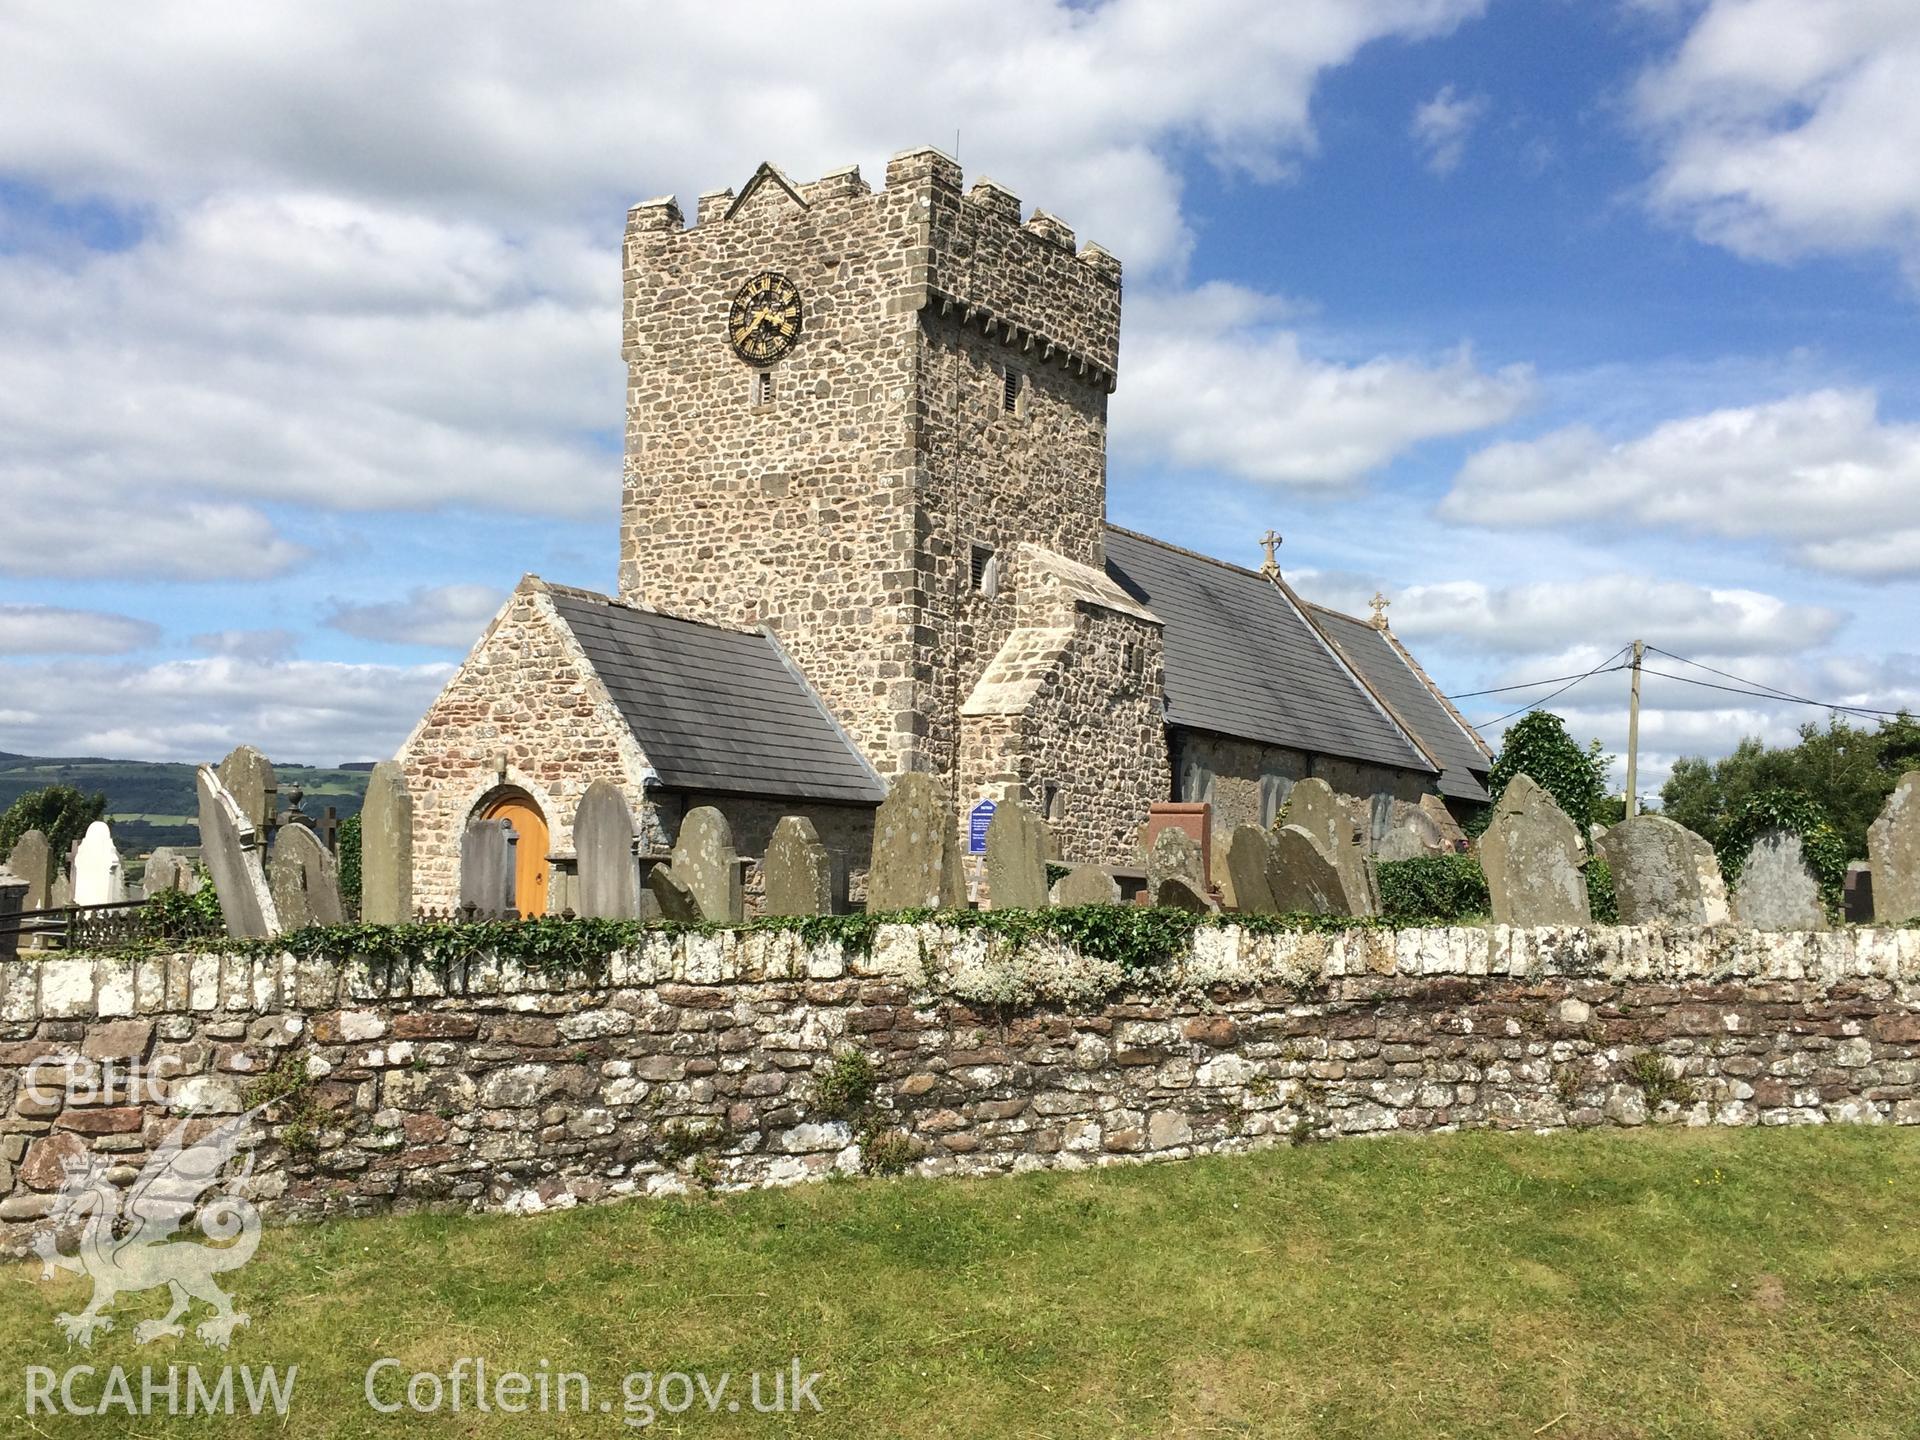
(875, 423)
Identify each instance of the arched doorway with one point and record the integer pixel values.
(516, 807)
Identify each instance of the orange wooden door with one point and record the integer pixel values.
(529, 854)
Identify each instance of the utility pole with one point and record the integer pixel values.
(1633, 734)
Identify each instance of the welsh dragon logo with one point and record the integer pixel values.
(128, 1240)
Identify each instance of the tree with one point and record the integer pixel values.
(59, 812)
(1846, 770)
(1538, 746)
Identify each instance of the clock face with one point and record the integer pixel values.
(765, 319)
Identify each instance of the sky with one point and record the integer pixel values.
(1562, 323)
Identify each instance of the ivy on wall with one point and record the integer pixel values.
(1796, 813)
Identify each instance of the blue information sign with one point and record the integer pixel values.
(978, 819)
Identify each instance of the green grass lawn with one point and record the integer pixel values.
(1673, 1283)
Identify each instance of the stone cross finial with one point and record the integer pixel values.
(1271, 540)
(1380, 603)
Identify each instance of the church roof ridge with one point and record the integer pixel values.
(1183, 550)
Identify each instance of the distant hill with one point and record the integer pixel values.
(153, 803)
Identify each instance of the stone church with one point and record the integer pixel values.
(864, 533)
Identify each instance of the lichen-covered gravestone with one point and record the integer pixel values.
(32, 861)
(1249, 855)
(1176, 892)
(304, 879)
(230, 845)
(386, 848)
(916, 859)
(1893, 850)
(1175, 853)
(1413, 836)
(487, 866)
(1314, 807)
(1017, 848)
(248, 777)
(1778, 891)
(1663, 873)
(1532, 860)
(167, 870)
(608, 885)
(798, 870)
(705, 861)
(97, 875)
(1302, 877)
(1085, 885)
(672, 897)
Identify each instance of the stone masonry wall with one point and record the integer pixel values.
(691, 1061)
(524, 711)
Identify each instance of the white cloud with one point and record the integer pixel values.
(1209, 381)
(1818, 472)
(51, 630)
(1441, 127)
(198, 710)
(255, 645)
(1786, 128)
(449, 615)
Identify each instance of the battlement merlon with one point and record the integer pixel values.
(967, 253)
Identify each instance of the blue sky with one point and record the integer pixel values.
(1561, 321)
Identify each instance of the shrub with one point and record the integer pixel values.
(846, 1090)
(59, 812)
(1437, 887)
(1538, 745)
(1600, 897)
(346, 854)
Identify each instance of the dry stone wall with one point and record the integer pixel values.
(692, 1059)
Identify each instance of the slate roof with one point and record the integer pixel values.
(1243, 661)
(1412, 698)
(717, 710)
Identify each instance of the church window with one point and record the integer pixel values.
(763, 387)
(985, 573)
(1274, 790)
(1010, 391)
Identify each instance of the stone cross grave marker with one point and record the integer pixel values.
(304, 879)
(705, 861)
(1085, 885)
(1017, 850)
(798, 870)
(916, 860)
(1663, 873)
(1893, 849)
(608, 884)
(1322, 814)
(230, 845)
(1249, 856)
(1532, 859)
(487, 866)
(1777, 889)
(1302, 877)
(97, 875)
(32, 861)
(386, 848)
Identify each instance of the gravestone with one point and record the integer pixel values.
(32, 861)
(1017, 848)
(1532, 860)
(1177, 892)
(1778, 891)
(97, 875)
(1663, 873)
(1856, 894)
(13, 895)
(705, 861)
(1302, 877)
(230, 845)
(386, 848)
(672, 897)
(1413, 836)
(1324, 815)
(916, 861)
(166, 871)
(487, 866)
(249, 779)
(1893, 849)
(1452, 838)
(1249, 854)
(608, 883)
(1175, 852)
(1085, 885)
(304, 879)
(60, 893)
(798, 871)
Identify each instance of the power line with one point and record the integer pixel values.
(1524, 685)
(1604, 667)
(1773, 695)
(1763, 690)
